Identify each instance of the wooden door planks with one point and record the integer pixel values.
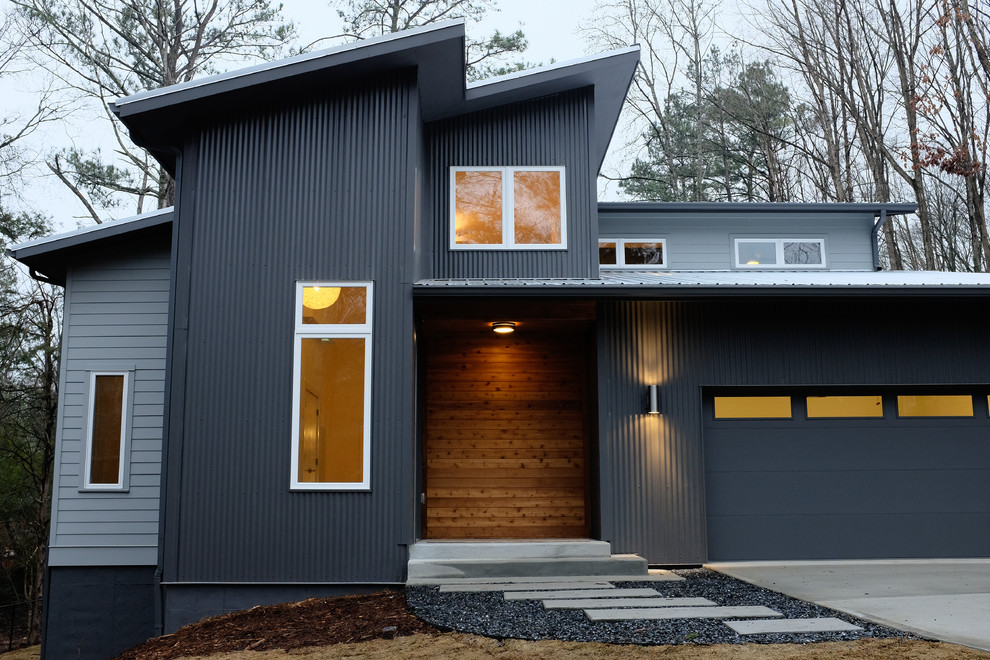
(505, 435)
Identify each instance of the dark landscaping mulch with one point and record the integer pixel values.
(489, 614)
(313, 622)
(386, 615)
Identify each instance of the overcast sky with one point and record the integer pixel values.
(551, 27)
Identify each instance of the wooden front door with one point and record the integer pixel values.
(505, 431)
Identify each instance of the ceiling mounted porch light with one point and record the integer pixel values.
(320, 297)
(503, 327)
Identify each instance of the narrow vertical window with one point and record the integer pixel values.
(332, 389)
(107, 431)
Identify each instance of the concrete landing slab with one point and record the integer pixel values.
(563, 594)
(656, 613)
(585, 603)
(659, 576)
(763, 626)
(534, 586)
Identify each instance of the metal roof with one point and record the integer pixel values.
(158, 119)
(661, 283)
(876, 208)
(46, 254)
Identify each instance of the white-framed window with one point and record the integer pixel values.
(780, 253)
(517, 208)
(331, 376)
(105, 456)
(636, 253)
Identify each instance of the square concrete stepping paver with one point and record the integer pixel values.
(654, 613)
(502, 586)
(585, 603)
(760, 626)
(562, 594)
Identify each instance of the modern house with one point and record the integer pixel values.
(387, 310)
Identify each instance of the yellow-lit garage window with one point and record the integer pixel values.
(752, 407)
(845, 406)
(332, 387)
(942, 405)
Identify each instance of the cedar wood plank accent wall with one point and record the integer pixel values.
(505, 434)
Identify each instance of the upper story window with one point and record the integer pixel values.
(780, 252)
(518, 208)
(331, 421)
(632, 252)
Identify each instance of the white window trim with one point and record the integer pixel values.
(341, 331)
(123, 469)
(779, 244)
(508, 219)
(620, 253)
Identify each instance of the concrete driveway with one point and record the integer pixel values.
(946, 599)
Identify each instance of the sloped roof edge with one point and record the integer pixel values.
(287, 67)
(45, 254)
(157, 119)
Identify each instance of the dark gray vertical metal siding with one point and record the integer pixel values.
(321, 190)
(652, 468)
(551, 131)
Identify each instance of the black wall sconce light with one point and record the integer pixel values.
(653, 398)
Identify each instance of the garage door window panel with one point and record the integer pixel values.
(753, 407)
(935, 405)
(845, 406)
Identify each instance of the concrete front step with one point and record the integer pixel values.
(535, 549)
(629, 566)
(431, 562)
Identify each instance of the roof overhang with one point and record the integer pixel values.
(48, 256)
(158, 119)
(792, 208)
(661, 285)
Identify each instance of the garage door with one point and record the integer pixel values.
(841, 477)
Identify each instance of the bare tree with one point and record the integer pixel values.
(676, 38)
(485, 58)
(105, 49)
(957, 110)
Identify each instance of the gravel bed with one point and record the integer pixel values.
(489, 614)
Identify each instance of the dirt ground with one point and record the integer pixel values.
(381, 627)
(470, 647)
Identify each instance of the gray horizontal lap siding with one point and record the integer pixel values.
(116, 307)
(652, 467)
(704, 240)
(319, 190)
(551, 131)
